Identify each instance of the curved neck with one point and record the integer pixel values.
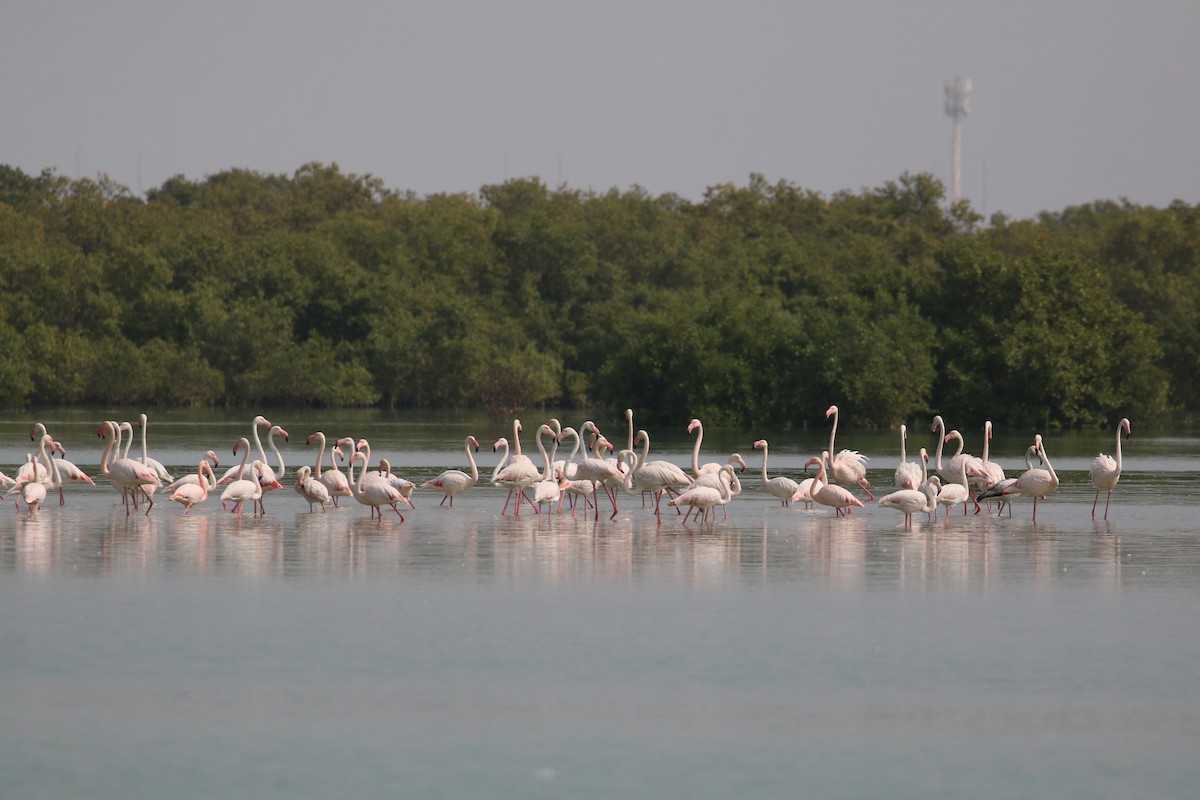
(278, 455)
(548, 466)
(516, 442)
(245, 444)
(833, 432)
(763, 442)
(641, 462)
(320, 454)
(471, 458)
(262, 454)
(108, 449)
(940, 426)
(1120, 427)
(145, 456)
(501, 462)
(696, 449)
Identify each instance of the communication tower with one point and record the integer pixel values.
(958, 105)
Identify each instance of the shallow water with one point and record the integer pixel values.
(781, 652)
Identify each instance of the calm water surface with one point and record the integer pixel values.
(462, 653)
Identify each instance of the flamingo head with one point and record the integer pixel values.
(814, 460)
(758, 444)
(695, 423)
(1124, 425)
(310, 439)
(987, 429)
(831, 411)
(362, 444)
(280, 431)
(338, 454)
(498, 442)
(1037, 443)
(385, 466)
(473, 442)
(56, 447)
(345, 440)
(263, 421)
(555, 425)
(741, 462)
(603, 443)
(38, 428)
(924, 454)
(213, 457)
(937, 423)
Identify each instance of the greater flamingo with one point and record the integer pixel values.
(333, 479)
(701, 498)
(655, 476)
(243, 489)
(373, 491)
(1038, 483)
(34, 491)
(454, 482)
(125, 474)
(1106, 470)
(188, 494)
(515, 474)
(699, 469)
(848, 467)
(1005, 491)
(310, 488)
(780, 486)
(828, 494)
(908, 473)
(67, 470)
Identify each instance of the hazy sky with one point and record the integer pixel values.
(1073, 101)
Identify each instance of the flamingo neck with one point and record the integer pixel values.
(471, 458)
(696, 449)
(320, 454)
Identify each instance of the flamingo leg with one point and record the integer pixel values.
(1106, 502)
(1095, 501)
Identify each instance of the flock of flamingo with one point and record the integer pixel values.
(962, 479)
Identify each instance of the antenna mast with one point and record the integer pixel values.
(958, 105)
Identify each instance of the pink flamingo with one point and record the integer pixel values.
(1106, 470)
(828, 494)
(454, 482)
(848, 467)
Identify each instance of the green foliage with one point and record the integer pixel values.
(761, 304)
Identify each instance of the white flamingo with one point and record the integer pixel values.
(1005, 491)
(310, 488)
(848, 467)
(780, 486)
(333, 479)
(403, 484)
(454, 482)
(908, 473)
(191, 493)
(193, 477)
(656, 476)
(34, 491)
(125, 474)
(1038, 482)
(599, 470)
(372, 490)
(699, 469)
(829, 494)
(1106, 470)
(239, 471)
(243, 489)
(517, 475)
(67, 470)
(702, 498)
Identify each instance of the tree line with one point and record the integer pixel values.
(759, 304)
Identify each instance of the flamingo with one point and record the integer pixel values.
(655, 476)
(310, 488)
(702, 498)
(828, 494)
(950, 470)
(372, 490)
(848, 467)
(161, 471)
(125, 474)
(1038, 483)
(575, 488)
(549, 489)
(910, 501)
(193, 478)
(66, 469)
(243, 489)
(335, 482)
(711, 466)
(804, 491)
(403, 484)
(1106, 471)
(598, 470)
(454, 482)
(234, 473)
(957, 491)
(1005, 491)
(995, 473)
(908, 473)
(267, 477)
(968, 467)
(515, 474)
(188, 494)
(34, 491)
(782, 487)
